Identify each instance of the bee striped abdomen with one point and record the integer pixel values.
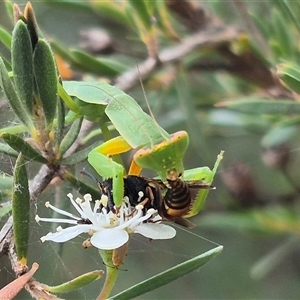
(177, 199)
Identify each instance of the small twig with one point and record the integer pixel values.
(41, 181)
(6, 236)
(210, 38)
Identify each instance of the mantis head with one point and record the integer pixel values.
(164, 157)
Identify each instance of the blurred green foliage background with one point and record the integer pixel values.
(225, 92)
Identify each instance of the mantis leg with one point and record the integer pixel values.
(107, 168)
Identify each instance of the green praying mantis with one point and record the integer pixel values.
(157, 150)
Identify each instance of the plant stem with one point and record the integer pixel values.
(111, 274)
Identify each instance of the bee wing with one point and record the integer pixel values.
(184, 222)
(199, 184)
(155, 183)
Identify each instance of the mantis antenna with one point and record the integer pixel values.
(148, 106)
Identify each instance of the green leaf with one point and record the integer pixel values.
(76, 283)
(279, 135)
(290, 9)
(13, 129)
(283, 36)
(46, 79)
(275, 257)
(99, 66)
(6, 149)
(6, 181)
(59, 129)
(31, 23)
(260, 106)
(64, 53)
(22, 65)
(232, 221)
(70, 137)
(79, 156)
(9, 10)
(5, 38)
(168, 276)
(7, 65)
(20, 145)
(21, 209)
(142, 11)
(5, 208)
(290, 75)
(13, 98)
(112, 10)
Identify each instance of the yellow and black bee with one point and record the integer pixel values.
(172, 199)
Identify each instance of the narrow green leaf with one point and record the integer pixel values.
(9, 10)
(6, 181)
(7, 65)
(13, 129)
(82, 187)
(64, 53)
(275, 257)
(6, 149)
(76, 283)
(280, 135)
(21, 209)
(20, 145)
(261, 106)
(72, 116)
(70, 137)
(5, 38)
(99, 66)
(5, 208)
(13, 98)
(31, 23)
(46, 79)
(290, 75)
(59, 129)
(142, 10)
(291, 12)
(168, 276)
(22, 65)
(284, 38)
(71, 4)
(113, 10)
(79, 156)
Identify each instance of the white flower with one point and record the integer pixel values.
(108, 230)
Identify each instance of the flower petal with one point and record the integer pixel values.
(66, 234)
(109, 239)
(155, 231)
